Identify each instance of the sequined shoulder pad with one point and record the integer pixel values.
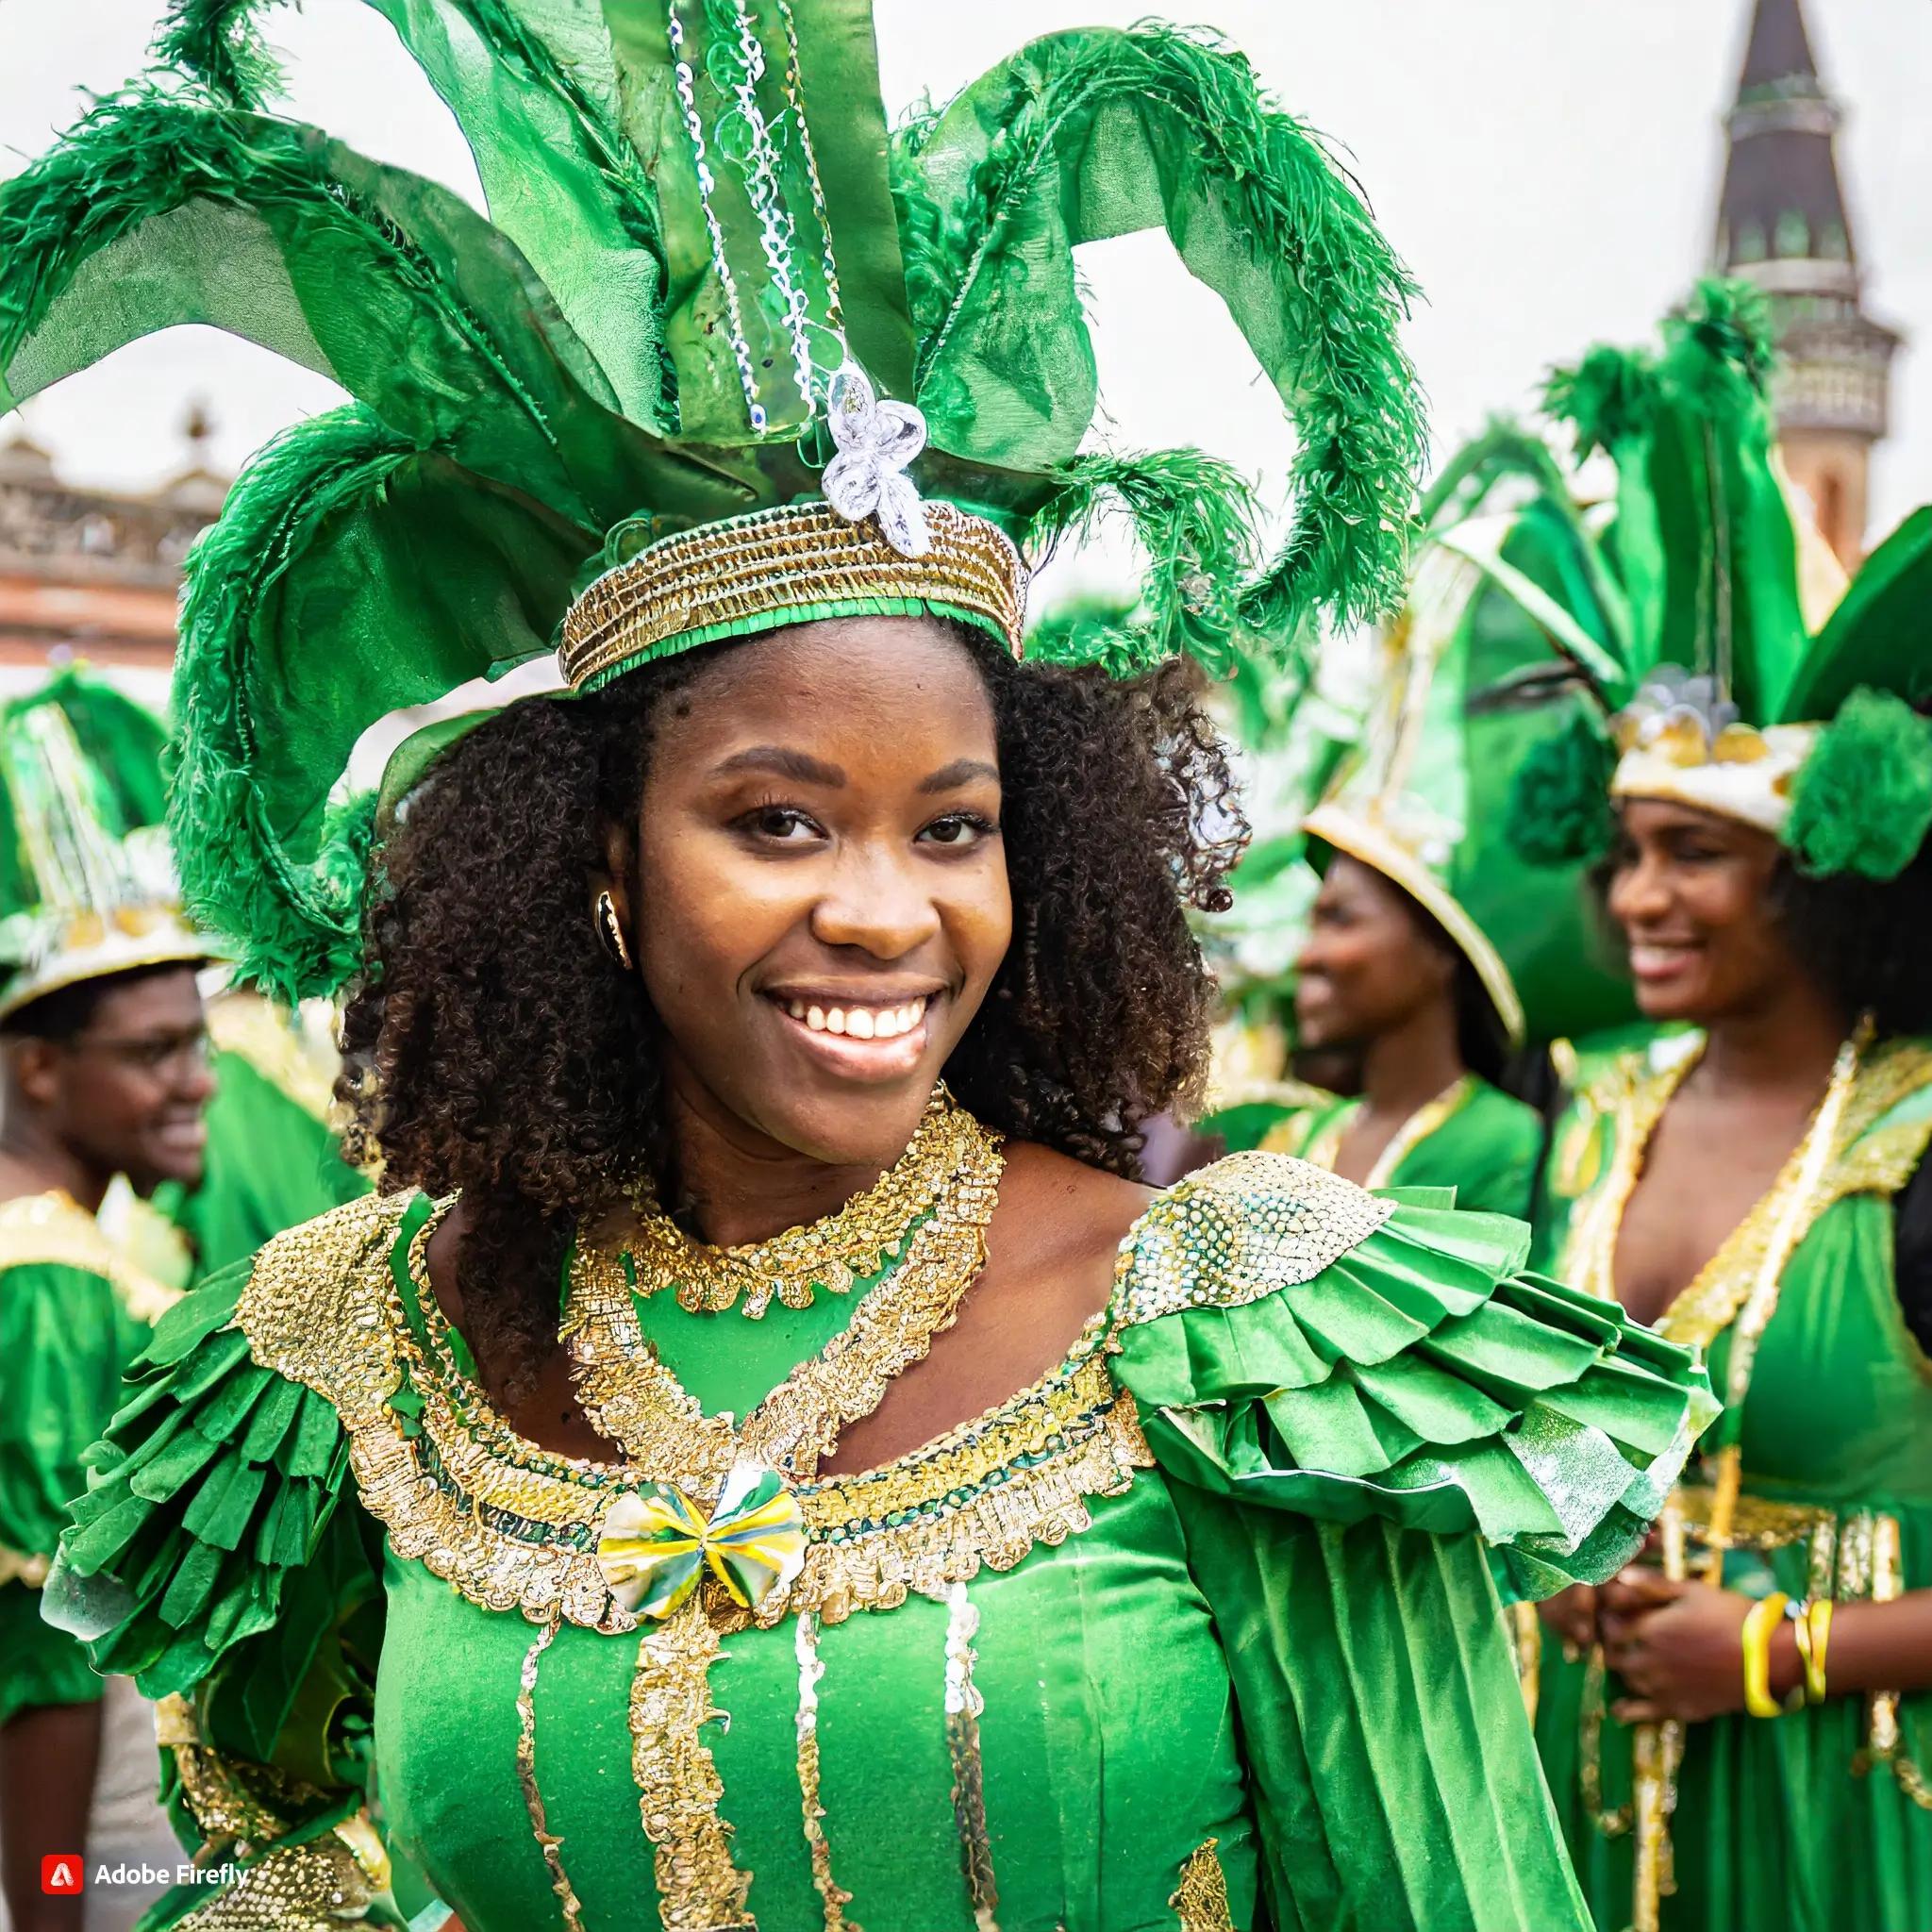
(316, 1306)
(1241, 1229)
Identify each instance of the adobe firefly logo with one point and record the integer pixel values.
(61, 1872)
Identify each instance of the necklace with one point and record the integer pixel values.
(636, 1401)
(832, 1254)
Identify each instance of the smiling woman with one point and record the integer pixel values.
(770, 1463)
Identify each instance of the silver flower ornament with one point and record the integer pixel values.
(867, 478)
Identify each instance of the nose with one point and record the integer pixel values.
(877, 901)
(1640, 892)
(194, 1080)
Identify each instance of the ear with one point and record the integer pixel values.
(616, 873)
(34, 1069)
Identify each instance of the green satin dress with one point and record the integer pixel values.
(1199, 1631)
(1474, 1137)
(74, 1313)
(1820, 1819)
(272, 1161)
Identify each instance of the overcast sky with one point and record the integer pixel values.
(1548, 167)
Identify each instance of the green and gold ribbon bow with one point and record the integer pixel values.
(656, 1542)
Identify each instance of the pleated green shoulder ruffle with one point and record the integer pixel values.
(211, 1517)
(1297, 1342)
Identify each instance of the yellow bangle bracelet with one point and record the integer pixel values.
(1814, 1640)
(1755, 1641)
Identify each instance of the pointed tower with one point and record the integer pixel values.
(1782, 223)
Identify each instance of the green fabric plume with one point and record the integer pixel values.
(691, 223)
(1559, 799)
(1862, 801)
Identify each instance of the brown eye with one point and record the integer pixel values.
(958, 829)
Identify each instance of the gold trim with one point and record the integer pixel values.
(635, 1400)
(55, 1230)
(833, 1253)
(964, 1706)
(548, 1842)
(65, 970)
(1324, 1147)
(810, 1669)
(747, 573)
(1374, 846)
(1200, 1901)
(699, 1888)
(313, 1886)
(513, 1527)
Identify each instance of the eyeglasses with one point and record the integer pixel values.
(152, 1053)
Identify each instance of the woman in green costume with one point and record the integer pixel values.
(102, 1075)
(1396, 978)
(1735, 1730)
(634, 1519)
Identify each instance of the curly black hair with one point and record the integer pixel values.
(490, 1045)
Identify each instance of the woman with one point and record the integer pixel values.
(1380, 976)
(1755, 1187)
(684, 1391)
(1396, 977)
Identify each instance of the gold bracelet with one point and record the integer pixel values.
(1755, 1642)
(1812, 1631)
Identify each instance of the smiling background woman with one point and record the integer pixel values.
(772, 1463)
(1737, 1734)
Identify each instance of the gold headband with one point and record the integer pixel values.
(788, 566)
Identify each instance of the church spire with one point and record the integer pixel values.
(1782, 222)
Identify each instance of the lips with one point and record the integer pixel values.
(1653, 961)
(857, 1040)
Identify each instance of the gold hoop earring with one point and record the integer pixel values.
(610, 930)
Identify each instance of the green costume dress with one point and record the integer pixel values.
(74, 1313)
(1197, 1631)
(1473, 1138)
(273, 1159)
(1821, 1820)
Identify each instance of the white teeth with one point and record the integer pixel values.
(860, 1022)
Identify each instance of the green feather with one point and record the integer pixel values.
(1608, 398)
(1559, 799)
(1195, 517)
(1862, 801)
(220, 45)
(297, 928)
(1096, 132)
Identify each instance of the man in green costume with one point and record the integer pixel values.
(103, 1055)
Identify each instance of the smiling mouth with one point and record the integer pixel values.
(858, 1022)
(1660, 959)
(859, 1041)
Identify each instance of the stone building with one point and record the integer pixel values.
(1782, 222)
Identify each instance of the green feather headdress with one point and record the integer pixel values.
(707, 269)
(1715, 681)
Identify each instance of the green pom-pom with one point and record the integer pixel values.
(1560, 801)
(1862, 801)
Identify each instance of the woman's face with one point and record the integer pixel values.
(1366, 965)
(822, 898)
(1688, 890)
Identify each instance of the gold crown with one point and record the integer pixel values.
(784, 566)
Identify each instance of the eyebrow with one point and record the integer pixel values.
(783, 763)
(960, 772)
